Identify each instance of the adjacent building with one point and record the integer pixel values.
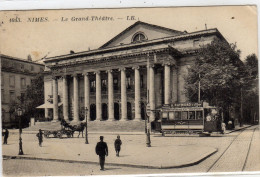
(143, 64)
(16, 75)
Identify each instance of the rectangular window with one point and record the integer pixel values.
(199, 115)
(22, 97)
(2, 80)
(22, 66)
(142, 81)
(92, 86)
(23, 85)
(115, 82)
(3, 96)
(128, 82)
(192, 115)
(11, 81)
(184, 115)
(32, 68)
(177, 115)
(104, 84)
(12, 96)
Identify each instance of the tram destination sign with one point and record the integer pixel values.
(180, 105)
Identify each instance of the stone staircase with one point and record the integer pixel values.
(96, 126)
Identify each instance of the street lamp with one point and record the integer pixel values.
(147, 128)
(19, 113)
(86, 117)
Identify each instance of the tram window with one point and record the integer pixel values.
(177, 115)
(164, 115)
(171, 115)
(199, 115)
(192, 115)
(184, 115)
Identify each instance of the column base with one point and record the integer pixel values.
(55, 120)
(137, 119)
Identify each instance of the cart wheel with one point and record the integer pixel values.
(163, 134)
(59, 135)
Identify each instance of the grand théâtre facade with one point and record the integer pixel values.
(144, 63)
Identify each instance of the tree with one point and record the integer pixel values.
(33, 97)
(216, 68)
(250, 89)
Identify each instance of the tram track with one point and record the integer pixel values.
(228, 147)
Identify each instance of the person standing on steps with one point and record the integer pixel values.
(102, 151)
(118, 144)
(40, 137)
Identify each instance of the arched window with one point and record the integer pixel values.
(139, 37)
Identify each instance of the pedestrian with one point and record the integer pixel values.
(6, 134)
(118, 144)
(40, 137)
(102, 151)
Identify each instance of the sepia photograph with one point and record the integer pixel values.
(130, 91)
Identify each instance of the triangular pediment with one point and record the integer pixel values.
(140, 32)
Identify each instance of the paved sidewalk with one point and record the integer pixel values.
(166, 152)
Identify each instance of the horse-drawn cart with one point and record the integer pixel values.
(58, 133)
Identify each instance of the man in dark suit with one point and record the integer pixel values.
(102, 151)
(6, 134)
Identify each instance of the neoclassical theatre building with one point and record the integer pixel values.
(144, 63)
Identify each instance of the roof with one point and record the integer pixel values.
(134, 25)
(135, 45)
(19, 59)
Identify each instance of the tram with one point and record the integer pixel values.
(189, 118)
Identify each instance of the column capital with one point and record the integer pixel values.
(96, 72)
(150, 66)
(109, 71)
(122, 69)
(74, 74)
(136, 67)
(85, 73)
(166, 63)
(54, 77)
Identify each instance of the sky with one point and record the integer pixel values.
(53, 37)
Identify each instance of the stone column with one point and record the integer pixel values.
(65, 99)
(55, 99)
(86, 93)
(123, 95)
(137, 94)
(46, 111)
(110, 96)
(151, 92)
(98, 96)
(167, 83)
(76, 98)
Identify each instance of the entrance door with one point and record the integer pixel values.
(129, 111)
(104, 111)
(116, 111)
(92, 112)
(142, 111)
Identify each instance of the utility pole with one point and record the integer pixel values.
(199, 90)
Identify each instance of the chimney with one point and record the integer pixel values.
(29, 58)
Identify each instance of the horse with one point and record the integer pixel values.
(79, 128)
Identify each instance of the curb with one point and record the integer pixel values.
(112, 164)
(239, 129)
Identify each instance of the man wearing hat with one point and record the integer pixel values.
(102, 151)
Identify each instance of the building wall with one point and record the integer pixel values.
(16, 75)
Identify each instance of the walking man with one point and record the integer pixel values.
(102, 151)
(6, 134)
(40, 137)
(118, 144)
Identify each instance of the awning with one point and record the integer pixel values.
(47, 105)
